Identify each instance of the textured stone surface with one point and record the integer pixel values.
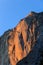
(23, 45)
(35, 56)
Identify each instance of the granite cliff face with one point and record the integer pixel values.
(23, 45)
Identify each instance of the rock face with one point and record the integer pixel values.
(23, 45)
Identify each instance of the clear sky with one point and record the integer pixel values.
(11, 11)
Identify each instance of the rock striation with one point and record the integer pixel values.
(23, 45)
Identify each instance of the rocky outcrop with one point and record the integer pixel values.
(35, 56)
(23, 45)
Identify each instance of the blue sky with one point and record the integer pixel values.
(11, 11)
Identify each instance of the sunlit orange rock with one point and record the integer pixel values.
(20, 42)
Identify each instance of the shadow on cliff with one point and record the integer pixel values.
(35, 57)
